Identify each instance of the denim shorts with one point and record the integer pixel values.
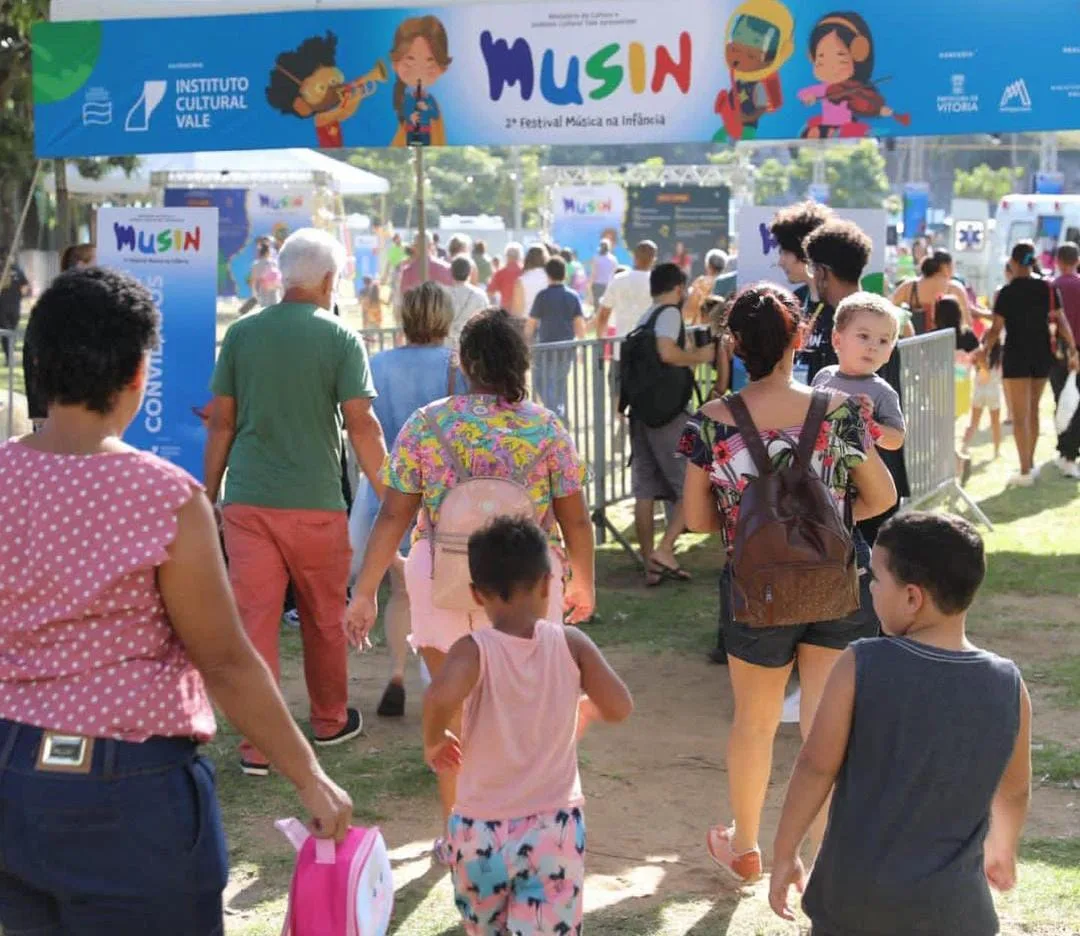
(774, 647)
(134, 846)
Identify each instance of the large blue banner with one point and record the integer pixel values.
(554, 72)
(173, 252)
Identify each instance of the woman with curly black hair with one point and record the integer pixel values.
(117, 625)
(493, 431)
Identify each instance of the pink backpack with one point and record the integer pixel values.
(338, 890)
(471, 504)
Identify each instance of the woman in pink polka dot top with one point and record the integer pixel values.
(116, 625)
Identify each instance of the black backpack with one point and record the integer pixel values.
(654, 392)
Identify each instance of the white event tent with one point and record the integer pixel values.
(219, 167)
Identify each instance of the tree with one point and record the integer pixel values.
(465, 180)
(984, 183)
(16, 107)
(855, 174)
(771, 182)
(17, 116)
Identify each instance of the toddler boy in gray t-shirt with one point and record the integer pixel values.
(864, 335)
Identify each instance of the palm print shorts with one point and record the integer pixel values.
(519, 876)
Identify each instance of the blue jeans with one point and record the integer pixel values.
(134, 846)
(551, 375)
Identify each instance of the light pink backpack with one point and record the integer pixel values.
(471, 504)
(338, 890)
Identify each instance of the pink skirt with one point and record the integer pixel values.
(439, 629)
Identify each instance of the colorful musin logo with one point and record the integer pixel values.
(281, 204)
(156, 242)
(510, 64)
(592, 206)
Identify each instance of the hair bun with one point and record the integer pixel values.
(764, 320)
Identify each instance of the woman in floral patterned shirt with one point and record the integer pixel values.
(764, 324)
(495, 431)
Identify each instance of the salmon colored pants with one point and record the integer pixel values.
(266, 548)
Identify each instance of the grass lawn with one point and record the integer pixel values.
(648, 880)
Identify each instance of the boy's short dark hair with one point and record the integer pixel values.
(664, 278)
(1068, 253)
(791, 226)
(842, 246)
(940, 553)
(508, 554)
(461, 269)
(556, 269)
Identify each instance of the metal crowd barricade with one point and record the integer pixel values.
(9, 339)
(573, 379)
(928, 379)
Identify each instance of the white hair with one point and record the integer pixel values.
(307, 256)
(716, 260)
(514, 251)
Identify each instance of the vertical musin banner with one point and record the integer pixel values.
(174, 253)
(583, 215)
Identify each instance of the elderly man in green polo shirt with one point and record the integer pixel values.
(287, 379)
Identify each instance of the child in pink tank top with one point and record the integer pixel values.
(529, 688)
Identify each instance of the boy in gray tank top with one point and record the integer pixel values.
(928, 742)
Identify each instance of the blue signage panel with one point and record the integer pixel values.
(552, 72)
(174, 253)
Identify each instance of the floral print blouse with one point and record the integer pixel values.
(718, 449)
(492, 438)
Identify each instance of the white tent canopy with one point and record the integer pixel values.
(223, 167)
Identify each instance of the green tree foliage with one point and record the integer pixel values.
(17, 113)
(855, 174)
(985, 183)
(465, 180)
(16, 106)
(771, 183)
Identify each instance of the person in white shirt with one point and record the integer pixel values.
(625, 300)
(627, 295)
(465, 298)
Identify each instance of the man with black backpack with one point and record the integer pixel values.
(657, 382)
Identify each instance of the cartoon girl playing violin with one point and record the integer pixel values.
(308, 84)
(842, 55)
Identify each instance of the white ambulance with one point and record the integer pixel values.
(1048, 220)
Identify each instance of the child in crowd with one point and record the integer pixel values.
(932, 786)
(864, 335)
(865, 331)
(986, 396)
(948, 314)
(371, 303)
(517, 832)
(987, 389)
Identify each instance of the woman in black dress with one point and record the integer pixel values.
(1025, 309)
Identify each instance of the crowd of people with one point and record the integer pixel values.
(131, 594)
